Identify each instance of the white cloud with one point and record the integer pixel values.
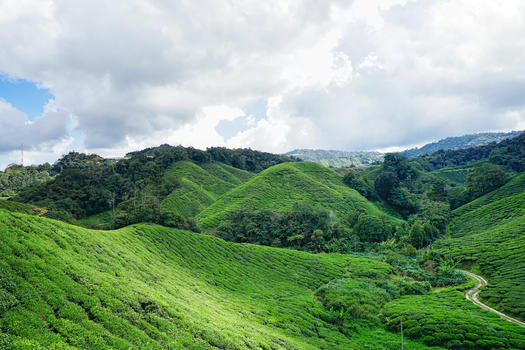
(16, 129)
(339, 74)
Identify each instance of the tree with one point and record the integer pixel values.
(371, 228)
(437, 191)
(399, 165)
(416, 236)
(385, 182)
(354, 180)
(484, 179)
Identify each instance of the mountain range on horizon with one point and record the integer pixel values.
(342, 159)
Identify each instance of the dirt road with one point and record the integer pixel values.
(472, 295)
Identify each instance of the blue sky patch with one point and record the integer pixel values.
(24, 95)
(230, 128)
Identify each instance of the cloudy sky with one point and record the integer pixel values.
(114, 76)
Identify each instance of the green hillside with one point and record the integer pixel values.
(487, 234)
(18, 207)
(150, 287)
(201, 185)
(192, 187)
(281, 187)
(443, 317)
(456, 175)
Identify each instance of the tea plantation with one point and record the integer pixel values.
(150, 287)
(487, 236)
(281, 187)
(443, 317)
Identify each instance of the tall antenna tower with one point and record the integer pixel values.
(22, 153)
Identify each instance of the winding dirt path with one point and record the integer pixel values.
(472, 295)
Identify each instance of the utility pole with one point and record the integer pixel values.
(402, 345)
(22, 152)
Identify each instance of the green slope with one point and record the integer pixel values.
(150, 287)
(201, 185)
(281, 187)
(19, 207)
(198, 187)
(488, 234)
(453, 174)
(444, 317)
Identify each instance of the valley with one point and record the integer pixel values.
(229, 249)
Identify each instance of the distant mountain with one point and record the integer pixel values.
(336, 159)
(461, 142)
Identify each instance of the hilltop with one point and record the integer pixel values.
(281, 187)
(200, 186)
(460, 142)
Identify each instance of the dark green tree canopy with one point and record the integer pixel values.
(385, 183)
(484, 179)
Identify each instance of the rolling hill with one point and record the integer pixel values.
(150, 286)
(487, 235)
(281, 187)
(147, 286)
(196, 186)
(200, 185)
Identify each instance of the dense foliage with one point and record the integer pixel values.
(241, 158)
(359, 183)
(305, 227)
(76, 160)
(16, 177)
(87, 184)
(485, 179)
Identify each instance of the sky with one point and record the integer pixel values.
(109, 77)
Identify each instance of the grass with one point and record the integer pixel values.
(487, 234)
(443, 317)
(150, 287)
(281, 187)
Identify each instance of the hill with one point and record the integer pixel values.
(336, 159)
(85, 185)
(200, 186)
(283, 186)
(487, 236)
(183, 190)
(460, 142)
(147, 286)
